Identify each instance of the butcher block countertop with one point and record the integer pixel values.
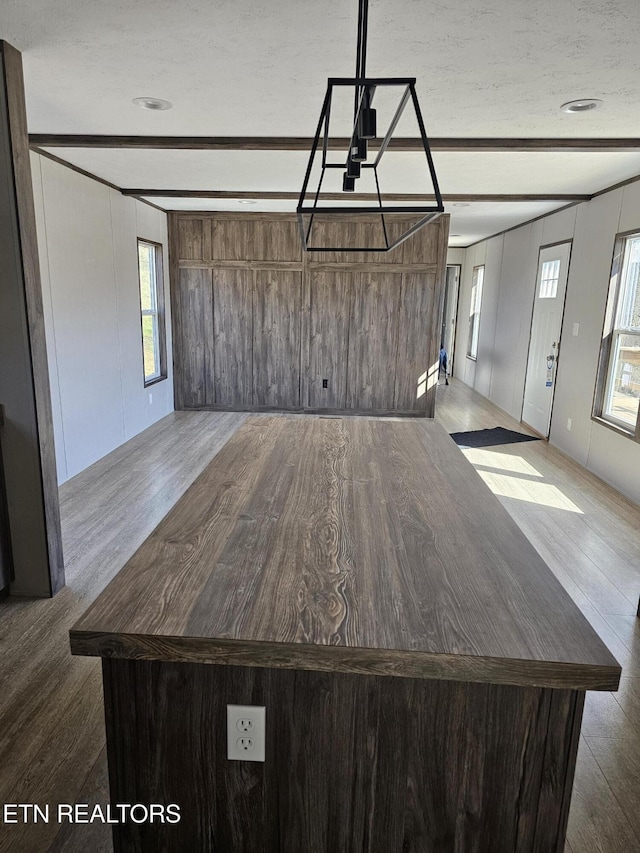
(352, 545)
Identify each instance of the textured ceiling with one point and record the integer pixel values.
(252, 68)
(484, 67)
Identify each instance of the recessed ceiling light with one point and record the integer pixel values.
(460, 204)
(246, 201)
(152, 104)
(581, 106)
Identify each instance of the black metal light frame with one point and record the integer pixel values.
(428, 212)
(364, 90)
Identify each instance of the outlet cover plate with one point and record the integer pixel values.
(245, 722)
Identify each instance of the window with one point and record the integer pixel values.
(618, 389)
(152, 309)
(549, 276)
(474, 311)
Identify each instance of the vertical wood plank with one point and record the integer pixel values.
(238, 239)
(233, 239)
(207, 255)
(395, 227)
(367, 233)
(195, 337)
(305, 331)
(373, 340)
(276, 349)
(190, 241)
(278, 241)
(561, 751)
(424, 246)
(208, 337)
(412, 367)
(233, 336)
(330, 301)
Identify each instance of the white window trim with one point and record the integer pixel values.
(477, 283)
(156, 312)
(610, 336)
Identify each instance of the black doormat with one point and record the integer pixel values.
(487, 437)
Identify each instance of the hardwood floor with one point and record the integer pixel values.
(51, 717)
(588, 535)
(51, 714)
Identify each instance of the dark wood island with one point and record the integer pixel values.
(422, 669)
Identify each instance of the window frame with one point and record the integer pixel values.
(474, 315)
(555, 279)
(159, 312)
(610, 336)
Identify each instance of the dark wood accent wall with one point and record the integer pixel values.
(27, 440)
(259, 324)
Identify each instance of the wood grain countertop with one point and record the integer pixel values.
(353, 545)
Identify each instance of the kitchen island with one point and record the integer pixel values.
(422, 669)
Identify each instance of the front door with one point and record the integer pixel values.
(544, 345)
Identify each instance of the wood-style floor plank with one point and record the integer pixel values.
(51, 714)
(619, 761)
(107, 513)
(93, 837)
(597, 821)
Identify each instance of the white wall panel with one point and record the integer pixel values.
(455, 255)
(630, 208)
(528, 288)
(514, 295)
(616, 459)
(80, 252)
(559, 227)
(56, 409)
(87, 237)
(596, 226)
(488, 314)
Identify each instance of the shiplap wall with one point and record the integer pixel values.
(87, 239)
(258, 324)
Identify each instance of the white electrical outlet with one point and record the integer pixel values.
(576, 330)
(568, 423)
(245, 732)
(150, 397)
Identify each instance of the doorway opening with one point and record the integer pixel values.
(450, 315)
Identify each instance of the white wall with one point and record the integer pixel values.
(511, 263)
(455, 255)
(88, 256)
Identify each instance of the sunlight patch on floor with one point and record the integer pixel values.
(544, 494)
(500, 461)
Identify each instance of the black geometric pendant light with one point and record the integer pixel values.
(361, 157)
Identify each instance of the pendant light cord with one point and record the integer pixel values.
(361, 50)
